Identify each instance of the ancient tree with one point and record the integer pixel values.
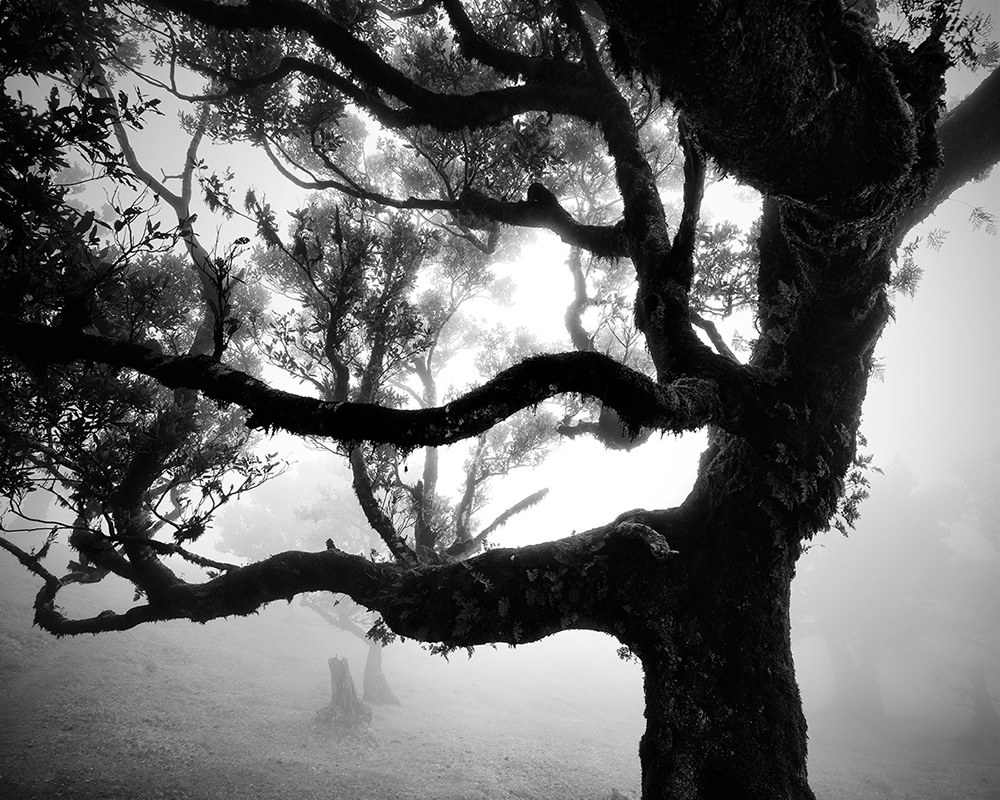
(838, 123)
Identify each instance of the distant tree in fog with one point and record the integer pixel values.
(364, 329)
(863, 611)
(281, 517)
(835, 121)
(969, 608)
(935, 607)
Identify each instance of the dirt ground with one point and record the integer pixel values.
(185, 712)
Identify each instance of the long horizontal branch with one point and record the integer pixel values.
(685, 404)
(541, 209)
(504, 595)
(445, 112)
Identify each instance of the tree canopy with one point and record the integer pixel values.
(431, 133)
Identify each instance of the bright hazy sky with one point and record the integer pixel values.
(940, 396)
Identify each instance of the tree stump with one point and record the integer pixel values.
(377, 689)
(346, 711)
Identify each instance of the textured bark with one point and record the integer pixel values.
(723, 714)
(687, 404)
(758, 82)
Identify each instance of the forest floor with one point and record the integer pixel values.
(186, 712)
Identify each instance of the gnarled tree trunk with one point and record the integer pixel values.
(723, 711)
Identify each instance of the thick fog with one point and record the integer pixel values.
(895, 640)
(896, 625)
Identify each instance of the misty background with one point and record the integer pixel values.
(896, 625)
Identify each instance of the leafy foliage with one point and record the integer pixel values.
(124, 456)
(965, 36)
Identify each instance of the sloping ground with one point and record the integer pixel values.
(226, 710)
(900, 760)
(184, 712)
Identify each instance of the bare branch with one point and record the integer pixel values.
(170, 549)
(714, 336)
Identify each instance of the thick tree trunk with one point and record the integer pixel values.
(711, 625)
(723, 711)
(377, 689)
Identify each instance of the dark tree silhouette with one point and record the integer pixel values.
(837, 124)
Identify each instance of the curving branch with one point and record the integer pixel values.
(540, 209)
(578, 335)
(662, 307)
(365, 492)
(645, 222)
(734, 400)
(609, 428)
(352, 189)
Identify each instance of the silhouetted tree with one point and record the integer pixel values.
(837, 124)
